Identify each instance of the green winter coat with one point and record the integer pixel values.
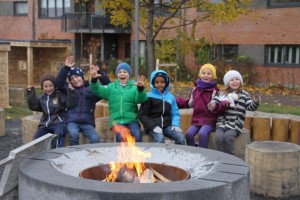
(122, 102)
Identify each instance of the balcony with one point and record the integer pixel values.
(90, 23)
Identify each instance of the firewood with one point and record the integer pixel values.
(147, 176)
(125, 176)
(160, 176)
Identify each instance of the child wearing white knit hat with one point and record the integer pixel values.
(231, 121)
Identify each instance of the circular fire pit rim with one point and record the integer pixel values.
(39, 170)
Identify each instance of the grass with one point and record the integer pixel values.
(17, 112)
(280, 109)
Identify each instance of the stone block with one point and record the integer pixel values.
(2, 122)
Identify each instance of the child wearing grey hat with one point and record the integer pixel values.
(231, 121)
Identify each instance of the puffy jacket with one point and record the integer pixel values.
(53, 107)
(160, 109)
(122, 101)
(81, 101)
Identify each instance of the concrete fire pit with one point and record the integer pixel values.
(55, 174)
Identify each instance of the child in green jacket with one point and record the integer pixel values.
(123, 97)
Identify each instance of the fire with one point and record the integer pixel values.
(129, 155)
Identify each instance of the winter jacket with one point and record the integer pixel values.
(160, 109)
(81, 101)
(53, 107)
(122, 101)
(234, 118)
(201, 97)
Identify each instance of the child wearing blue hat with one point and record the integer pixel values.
(81, 101)
(123, 97)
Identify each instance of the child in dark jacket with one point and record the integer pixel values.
(159, 114)
(230, 123)
(203, 120)
(52, 104)
(123, 97)
(81, 102)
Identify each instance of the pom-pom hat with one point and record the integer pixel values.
(212, 69)
(76, 71)
(230, 75)
(124, 66)
(46, 77)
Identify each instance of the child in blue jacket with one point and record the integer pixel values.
(81, 101)
(160, 114)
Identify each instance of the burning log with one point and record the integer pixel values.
(147, 176)
(160, 176)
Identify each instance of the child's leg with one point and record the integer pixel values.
(176, 136)
(135, 131)
(60, 131)
(229, 141)
(190, 134)
(157, 137)
(89, 131)
(73, 130)
(40, 132)
(203, 135)
(220, 139)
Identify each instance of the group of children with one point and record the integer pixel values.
(73, 104)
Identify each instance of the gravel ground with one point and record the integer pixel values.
(13, 139)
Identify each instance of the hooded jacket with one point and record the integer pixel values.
(160, 109)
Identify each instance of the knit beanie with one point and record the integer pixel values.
(230, 75)
(124, 66)
(76, 71)
(162, 74)
(212, 69)
(45, 77)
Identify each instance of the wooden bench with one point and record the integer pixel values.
(9, 180)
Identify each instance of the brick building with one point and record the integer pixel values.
(37, 35)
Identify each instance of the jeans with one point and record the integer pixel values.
(168, 132)
(135, 131)
(58, 129)
(88, 130)
(202, 131)
(225, 140)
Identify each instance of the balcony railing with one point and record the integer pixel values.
(90, 23)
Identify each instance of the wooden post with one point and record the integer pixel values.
(280, 129)
(185, 119)
(295, 131)
(261, 128)
(103, 129)
(248, 125)
(2, 122)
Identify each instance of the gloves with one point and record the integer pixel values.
(176, 129)
(157, 129)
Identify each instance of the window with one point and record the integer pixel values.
(228, 52)
(20, 8)
(53, 8)
(288, 55)
(283, 3)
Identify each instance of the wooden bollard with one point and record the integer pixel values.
(248, 124)
(280, 129)
(185, 119)
(101, 109)
(295, 131)
(103, 129)
(2, 122)
(261, 128)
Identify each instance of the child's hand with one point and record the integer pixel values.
(211, 105)
(94, 71)
(176, 129)
(30, 87)
(141, 81)
(70, 86)
(256, 99)
(70, 61)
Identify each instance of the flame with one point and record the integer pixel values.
(129, 155)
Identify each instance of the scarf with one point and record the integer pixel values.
(205, 85)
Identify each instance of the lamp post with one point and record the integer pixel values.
(136, 39)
